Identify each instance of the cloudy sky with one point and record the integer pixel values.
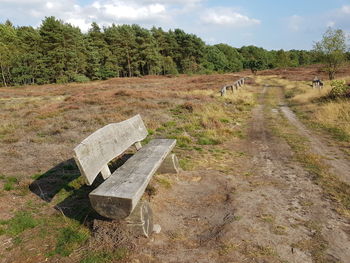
(272, 24)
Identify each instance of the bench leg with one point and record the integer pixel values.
(170, 165)
(140, 222)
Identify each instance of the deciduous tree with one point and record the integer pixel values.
(331, 50)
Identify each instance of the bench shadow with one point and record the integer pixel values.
(64, 185)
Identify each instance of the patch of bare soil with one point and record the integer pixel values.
(194, 215)
(267, 210)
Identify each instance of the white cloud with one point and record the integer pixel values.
(345, 9)
(104, 12)
(79, 22)
(339, 18)
(123, 11)
(49, 5)
(227, 17)
(295, 22)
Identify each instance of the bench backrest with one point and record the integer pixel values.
(94, 153)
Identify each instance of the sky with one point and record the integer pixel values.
(271, 24)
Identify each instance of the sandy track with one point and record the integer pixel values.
(339, 165)
(294, 201)
(269, 210)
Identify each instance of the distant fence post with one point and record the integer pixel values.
(223, 91)
(237, 84)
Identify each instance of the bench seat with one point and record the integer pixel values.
(117, 196)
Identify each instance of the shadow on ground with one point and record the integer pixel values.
(64, 186)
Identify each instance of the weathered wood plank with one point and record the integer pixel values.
(93, 153)
(117, 197)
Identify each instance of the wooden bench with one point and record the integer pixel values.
(119, 195)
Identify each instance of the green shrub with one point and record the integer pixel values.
(339, 89)
(80, 78)
(62, 80)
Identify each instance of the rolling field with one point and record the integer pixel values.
(264, 171)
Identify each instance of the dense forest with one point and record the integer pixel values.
(57, 52)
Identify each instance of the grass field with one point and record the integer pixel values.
(45, 213)
(249, 179)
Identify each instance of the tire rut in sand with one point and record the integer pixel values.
(281, 206)
(339, 165)
(267, 210)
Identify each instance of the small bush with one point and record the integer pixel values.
(80, 78)
(339, 89)
(62, 80)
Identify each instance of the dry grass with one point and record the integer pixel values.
(332, 116)
(42, 124)
(335, 114)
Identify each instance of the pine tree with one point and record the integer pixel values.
(8, 52)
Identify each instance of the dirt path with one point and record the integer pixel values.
(267, 210)
(339, 165)
(309, 230)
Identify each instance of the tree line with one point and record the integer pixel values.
(57, 52)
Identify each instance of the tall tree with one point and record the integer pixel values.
(63, 50)
(29, 62)
(282, 59)
(331, 50)
(255, 58)
(101, 62)
(8, 51)
(122, 41)
(149, 58)
(217, 61)
(233, 56)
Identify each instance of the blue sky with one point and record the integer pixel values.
(270, 24)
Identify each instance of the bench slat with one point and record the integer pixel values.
(93, 153)
(117, 197)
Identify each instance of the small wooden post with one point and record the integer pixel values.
(223, 91)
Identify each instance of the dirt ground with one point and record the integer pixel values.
(268, 210)
(246, 199)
